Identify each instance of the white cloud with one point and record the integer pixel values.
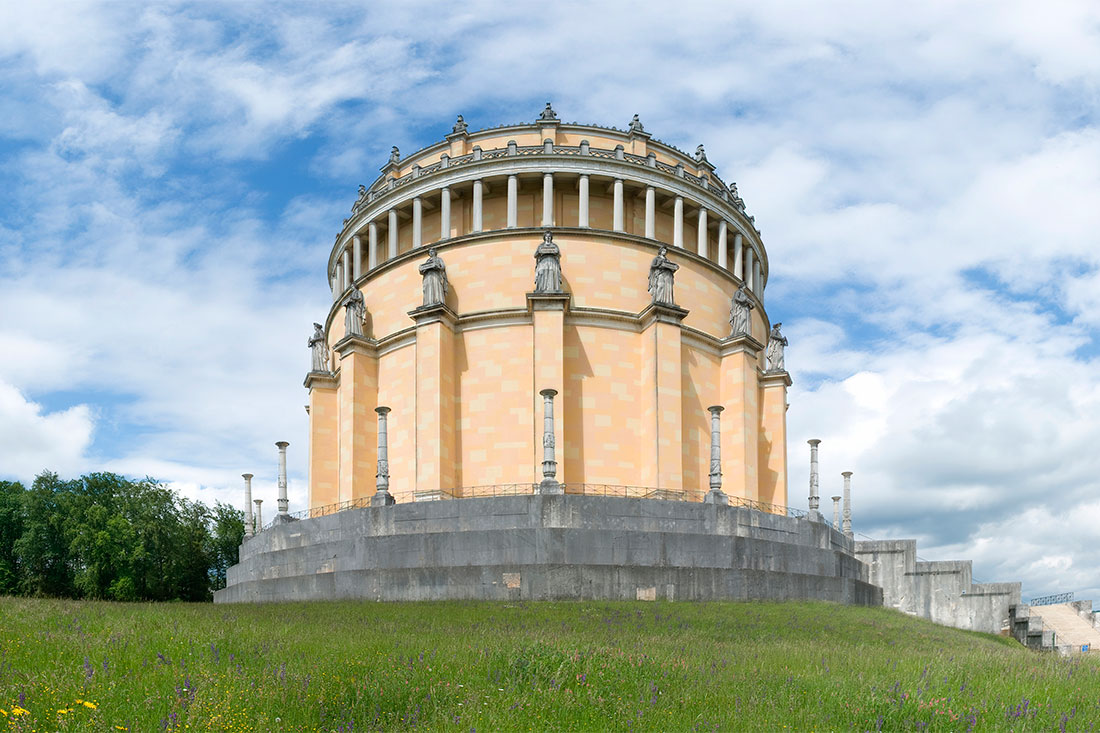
(32, 440)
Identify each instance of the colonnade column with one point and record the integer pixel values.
(582, 203)
(418, 215)
(617, 211)
(513, 201)
(392, 234)
(382, 496)
(284, 503)
(372, 245)
(356, 258)
(847, 526)
(701, 238)
(757, 278)
(749, 281)
(249, 527)
(678, 223)
(340, 286)
(548, 199)
(650, 212)
(479, 189)
(723, 259)
(345, 266)
(445, 213)
(738, 256)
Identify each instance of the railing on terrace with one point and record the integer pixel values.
(1052, 600)
(478, 492)
(382, 188)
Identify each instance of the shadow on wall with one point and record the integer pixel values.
(577, 368)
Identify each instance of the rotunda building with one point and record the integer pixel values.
(541, 308)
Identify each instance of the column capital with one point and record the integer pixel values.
(814, 442)
(321, 380)
(549, 301)
(661, 313)
(439, 313)
(738, 344)
(775, 379)
(355, 345)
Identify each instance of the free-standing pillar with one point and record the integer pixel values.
(249, 525)
(814, 499)
(847, 526)
(382, 496)
(716, 495)
(259, 514)
(549, 484)
(284, 503)
(836, 513)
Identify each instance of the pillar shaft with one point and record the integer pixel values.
(382, 476)
(283, 502)
(445, 213)
(259, 514)
(715, 447)
(392, 217)
(249, 526)
(678, 222)
(836, 513)
(757, 279)
(549, 484)
(345, 268)
(847, 526)
(617, 210)
(814, 479)
(738, 256)
(513, 201)
(749, 281)
(356, 258)
(548, 199)
(372, 245)
(702, 233)
(418, 214)
(650, 212)
(582, 203)
(723, 256)
(479, 189)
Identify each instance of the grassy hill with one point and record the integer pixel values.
(346, 666)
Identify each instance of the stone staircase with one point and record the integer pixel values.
(1065, 627)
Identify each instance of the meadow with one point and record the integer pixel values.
(358, 666)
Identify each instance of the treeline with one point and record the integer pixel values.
(105, 536)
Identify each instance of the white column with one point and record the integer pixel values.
(757, 279)
(836, 513)
(548, 199)
(478, 193)
(259, 514)
(340, 287)
(748, 270)
(678, 223)
(418, 217)
(372, 245)
(723, 259)
(345, 265)
(356, 257)
(738, 256)
(582, 205)
(249, 525)
(617, 215)
(382, 494)
(650, 212)
(393, 234)
(549, 484)
(702, 237)
(813, 500)
(284, 503)
(847, 526)
(444, 213)
(513, 201)
(716, 496)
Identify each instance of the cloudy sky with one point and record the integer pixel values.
(926, 177)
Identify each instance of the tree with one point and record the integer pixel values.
(11, 529)
(225, 540)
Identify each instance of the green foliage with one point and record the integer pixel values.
(104, 536)
(347, 666)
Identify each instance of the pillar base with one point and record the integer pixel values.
(382, 498)
(284, 518)
(717, 496)
(550, 486)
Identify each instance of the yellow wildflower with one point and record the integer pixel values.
(65, 710)
(87, 704)
(17, 711)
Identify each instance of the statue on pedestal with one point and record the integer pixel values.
(434, 273)
(636, 125)
(460, 125)
(741, 313)
(547, 265)
(355, 313)
(661, 273)
(395, 155)
(776, 343)
(319, 349)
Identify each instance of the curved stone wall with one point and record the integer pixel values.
(550, 547)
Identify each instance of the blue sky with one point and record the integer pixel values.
(926, 177)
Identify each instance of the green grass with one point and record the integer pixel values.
(522, 666)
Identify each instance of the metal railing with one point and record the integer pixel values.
(1052, 599)
(495, 490)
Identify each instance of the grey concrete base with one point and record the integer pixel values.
(941, 591)
(550, 547)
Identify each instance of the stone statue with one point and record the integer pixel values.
(319, 349)
(434, 273)
(547, 265)
(548, 114)
(355, 313)
(636, 125)
(661, 273)
(776, 343)
(362, 191)
(460, 125)
(738, 202)
(740, 313)
(700, 155)
(395, 155)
